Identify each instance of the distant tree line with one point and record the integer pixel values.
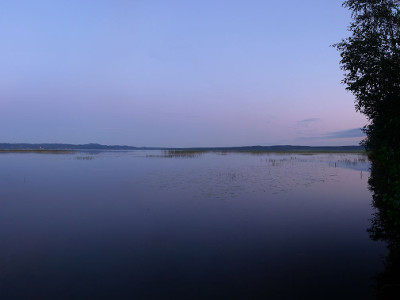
(282, 148)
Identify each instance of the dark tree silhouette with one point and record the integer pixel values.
(371, 61)
(370, 58)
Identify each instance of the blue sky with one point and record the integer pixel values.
(174, 73)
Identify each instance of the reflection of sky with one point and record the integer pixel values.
(123, 224)
(239, 174)
(173, 73)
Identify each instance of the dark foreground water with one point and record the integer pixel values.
(141, 225)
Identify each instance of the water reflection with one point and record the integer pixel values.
(385, 184)
(137, 225)
(247, 174)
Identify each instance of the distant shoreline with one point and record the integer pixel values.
(71, 148)
(44, 151)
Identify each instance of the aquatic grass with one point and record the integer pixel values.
(196, 152)
(84, 157)
(179, 154)
(288, 152)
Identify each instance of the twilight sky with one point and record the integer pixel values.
(177, 73)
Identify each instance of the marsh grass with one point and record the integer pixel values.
(180, 154)
(84, 157)
(353, 161)
(297, 152)
(188, 153)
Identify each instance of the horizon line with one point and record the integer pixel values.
(164, 147)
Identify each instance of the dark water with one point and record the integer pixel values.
(137, 225)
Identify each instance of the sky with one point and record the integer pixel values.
(175, 73)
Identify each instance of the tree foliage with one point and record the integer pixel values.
(370, 57)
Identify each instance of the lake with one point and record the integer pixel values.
(159, 225)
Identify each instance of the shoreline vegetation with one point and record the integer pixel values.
(72, 148)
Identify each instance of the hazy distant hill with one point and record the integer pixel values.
(281, 148)
(56, 146)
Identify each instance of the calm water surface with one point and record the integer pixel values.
(144, 225)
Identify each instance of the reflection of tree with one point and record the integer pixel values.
(385, 184)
